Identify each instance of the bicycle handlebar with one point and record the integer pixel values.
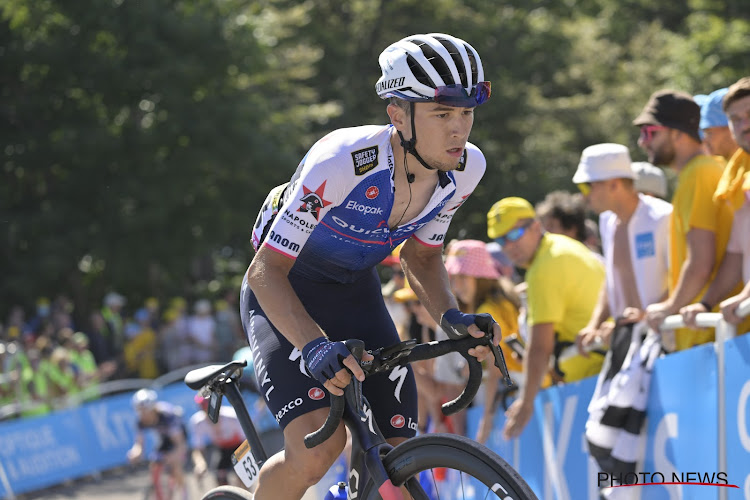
(399, 355)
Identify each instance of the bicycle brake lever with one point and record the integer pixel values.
(500, 362)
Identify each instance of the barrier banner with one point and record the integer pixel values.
(737, 376)
(682, 427)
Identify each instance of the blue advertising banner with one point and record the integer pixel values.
(683, 425)
(737, 376)
(682, 434)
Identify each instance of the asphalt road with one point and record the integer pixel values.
(124, 483)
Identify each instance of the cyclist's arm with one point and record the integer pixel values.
(426, 274)
(268, 278)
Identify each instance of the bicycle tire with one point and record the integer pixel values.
(458, 453)
(228, 493)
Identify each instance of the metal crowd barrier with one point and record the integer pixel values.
(724, 331)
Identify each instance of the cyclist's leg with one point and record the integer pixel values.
(155, 469)
(175, 461)
(289, 473)
(298, 402)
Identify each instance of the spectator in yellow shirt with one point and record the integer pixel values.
(563, 280)
(699, 227)
(733, 190)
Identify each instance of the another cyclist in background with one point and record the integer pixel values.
(220, 439)
(171, 448)
(356, 195)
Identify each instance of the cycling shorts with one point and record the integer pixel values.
(343, 311)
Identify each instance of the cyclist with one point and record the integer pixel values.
(224, 437)
(171, 448)
(357, 194)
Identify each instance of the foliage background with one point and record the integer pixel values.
(138, 139)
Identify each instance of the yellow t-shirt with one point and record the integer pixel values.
(694, 207)
(564, 281)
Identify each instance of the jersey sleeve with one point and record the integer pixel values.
(320, 184)
(466, 178)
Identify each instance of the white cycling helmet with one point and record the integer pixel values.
(144, 399)
(433, 67)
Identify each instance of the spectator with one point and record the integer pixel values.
(113, 330)
(140, 351)
(734, 191)
(169, 340)
(477, 285)
(635, 235)
(562, 212)
(228, 338)
(87, 373)
(649, 179)
(202, 333)
(634, 230)
(563, 280)
(699, 226)
(714, 125)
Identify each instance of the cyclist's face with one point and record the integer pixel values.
(442, 133)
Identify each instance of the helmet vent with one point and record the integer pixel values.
(418, 72)
(438, 63)
(457, 59)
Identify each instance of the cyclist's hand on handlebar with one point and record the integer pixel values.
(457, 324)
(331, 364)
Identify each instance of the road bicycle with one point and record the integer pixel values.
(429, 466)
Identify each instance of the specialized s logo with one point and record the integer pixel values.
(365, 160)
(313, 201)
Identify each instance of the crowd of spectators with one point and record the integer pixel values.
(582, 279)
(45, 357)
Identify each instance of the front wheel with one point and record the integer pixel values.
(228, 493)
(449, 466)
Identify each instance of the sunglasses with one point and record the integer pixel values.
(456, 96)
(513, 235)
(584, 188)
(648, 131)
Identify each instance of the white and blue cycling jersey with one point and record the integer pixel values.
(332, 216)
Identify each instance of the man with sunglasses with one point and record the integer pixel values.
(563, 279)
(357, 194)
(699, 226)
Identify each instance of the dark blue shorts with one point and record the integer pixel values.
(343, 311)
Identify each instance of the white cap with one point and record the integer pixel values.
(604, 161)
(649, 179)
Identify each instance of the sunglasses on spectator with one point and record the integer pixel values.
(513, 235)
(648, 131)
(455, 95)
(584, 188)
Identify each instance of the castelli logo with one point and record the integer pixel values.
(398, 421)
(372, 192)
(316, 393)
